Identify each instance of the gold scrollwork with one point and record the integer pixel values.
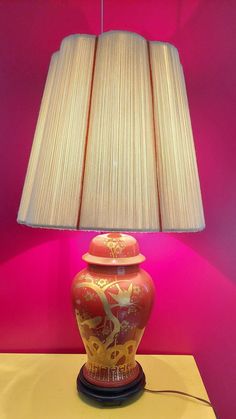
(99, 355)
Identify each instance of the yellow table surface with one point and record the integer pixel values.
(42, 386)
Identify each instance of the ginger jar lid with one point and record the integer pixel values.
(114, 249)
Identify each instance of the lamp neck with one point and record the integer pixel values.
(113, 270)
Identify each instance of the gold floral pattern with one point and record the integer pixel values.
(132, 309)
(125, 325)
(88, 296)
(136, 289)
(115, 245)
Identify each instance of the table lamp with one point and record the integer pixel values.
(113, 151)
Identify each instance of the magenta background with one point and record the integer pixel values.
(195, 309)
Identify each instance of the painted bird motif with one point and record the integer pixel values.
(123, 297)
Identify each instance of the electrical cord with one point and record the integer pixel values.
(182, 393)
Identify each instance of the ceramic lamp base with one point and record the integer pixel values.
(112, 298)
(111, 395)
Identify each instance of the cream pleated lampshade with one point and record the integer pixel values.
(113, 147)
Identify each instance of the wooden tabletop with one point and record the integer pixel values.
(43, 386)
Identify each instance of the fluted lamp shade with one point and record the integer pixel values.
(113, 147)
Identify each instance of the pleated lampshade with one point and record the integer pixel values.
(113, 147)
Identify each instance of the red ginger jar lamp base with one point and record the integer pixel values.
(112, 299)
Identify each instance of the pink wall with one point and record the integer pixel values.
(195, 310)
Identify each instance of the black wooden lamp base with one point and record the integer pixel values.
(111, 395)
